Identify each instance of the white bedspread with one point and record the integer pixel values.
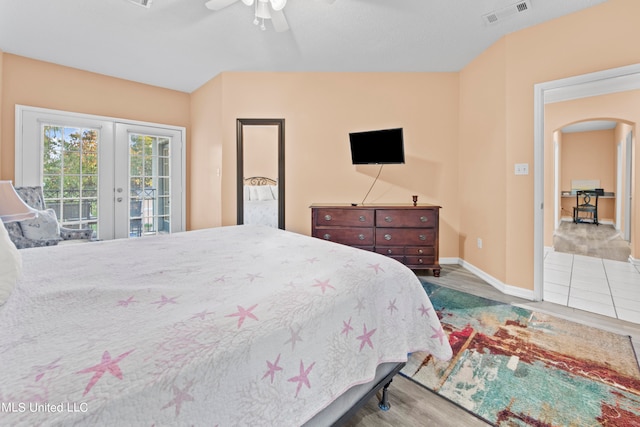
(261, 212)
(230, 326)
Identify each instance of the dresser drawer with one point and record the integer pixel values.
(413, 261)
(390, 250)
(405, 236)
(344, 217)
(406, 218)
(347, 236)
(420, 251)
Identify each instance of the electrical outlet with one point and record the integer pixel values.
(522, 169)
(479, 243)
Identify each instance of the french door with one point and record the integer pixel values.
(122, 179)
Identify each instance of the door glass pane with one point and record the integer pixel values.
(70, 175)
(149, 184)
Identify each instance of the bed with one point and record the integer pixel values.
(238, 325)
(261, 201)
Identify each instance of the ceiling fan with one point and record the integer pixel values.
(264, 9)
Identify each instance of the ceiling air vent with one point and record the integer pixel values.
(506, 12)
(143, 3)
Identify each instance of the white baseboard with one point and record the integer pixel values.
(502, 287)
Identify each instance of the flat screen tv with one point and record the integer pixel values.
(380, 147)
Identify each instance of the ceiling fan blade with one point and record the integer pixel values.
(218, 4)
(279, 21)
(278, 4)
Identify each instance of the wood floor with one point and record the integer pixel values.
(413, 405)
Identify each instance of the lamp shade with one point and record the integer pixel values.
(12, 208)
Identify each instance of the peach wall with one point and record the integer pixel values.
(483, 195)
(40, 84)
(590, 40)
(205, 173)
(320, 109)
(587, 156)
(260, 149)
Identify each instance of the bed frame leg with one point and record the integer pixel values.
(384, 401)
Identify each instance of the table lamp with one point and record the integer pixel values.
(12, 207)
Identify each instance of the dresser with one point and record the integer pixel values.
(404, 232)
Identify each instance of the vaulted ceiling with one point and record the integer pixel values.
(180, 44)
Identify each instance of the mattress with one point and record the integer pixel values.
(241, 325)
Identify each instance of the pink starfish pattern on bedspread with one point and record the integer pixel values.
(323, 285)
(253, 277)
(180, 396)
(303, 377)
(107, 365)
(201, 315)
(439, 333)
(243, 313)
(164, 301)
(392, 306)
(424, 310)
(295, 337)
(273, 368)
(365, 338)
(346, 327)
(376, 268)
(42, 369)
(126, 302)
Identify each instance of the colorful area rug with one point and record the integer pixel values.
(515, 367)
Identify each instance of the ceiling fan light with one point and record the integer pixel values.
(262, 9)
(278, 4)
(248, 2)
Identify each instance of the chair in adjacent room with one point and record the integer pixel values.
(586, 211)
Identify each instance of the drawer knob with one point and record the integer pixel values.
(420, 251)
(422, 237)
(361, 236)
(361, 218)
(327, 217)
(420, 261)
(388, 219)
(389, 251)
(424, 219)
(387, 237)
(327, 236)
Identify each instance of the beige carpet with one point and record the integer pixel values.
(601, 241)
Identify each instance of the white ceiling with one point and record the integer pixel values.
(590, 125)
(180, 44)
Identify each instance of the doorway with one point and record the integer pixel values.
(590, 85)
(122, 179)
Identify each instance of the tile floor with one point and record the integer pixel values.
(597, 285)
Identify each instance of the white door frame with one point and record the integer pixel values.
(107, 125)
(628, 187)
(592, 84)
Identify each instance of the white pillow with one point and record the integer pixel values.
(10, 264)
(43, 227)
(253, 192)
(246, 193)
(274, 191)
(264, 192)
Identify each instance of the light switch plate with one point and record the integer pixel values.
(522, 169)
